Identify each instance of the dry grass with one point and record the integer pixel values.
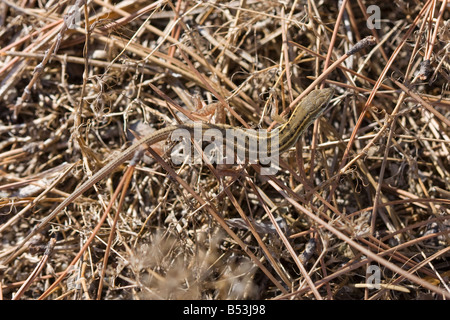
(369, 185)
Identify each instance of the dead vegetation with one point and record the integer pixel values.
(366, 187)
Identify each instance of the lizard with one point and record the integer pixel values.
(304, 114)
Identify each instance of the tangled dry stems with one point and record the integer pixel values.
(381, 179)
